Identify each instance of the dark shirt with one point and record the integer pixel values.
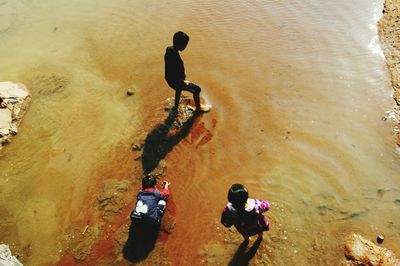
(174, 68)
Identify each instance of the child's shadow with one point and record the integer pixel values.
(141, 241)
(242, 258)
(159, 142)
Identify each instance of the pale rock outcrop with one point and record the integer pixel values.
(14, 101)
(360, 251)
(6, 258)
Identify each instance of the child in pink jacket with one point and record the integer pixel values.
(245, 213)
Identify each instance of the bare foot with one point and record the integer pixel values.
(205, 107)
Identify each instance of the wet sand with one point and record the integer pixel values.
(389, 34)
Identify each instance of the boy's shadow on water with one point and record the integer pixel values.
(159, 143)
(141, 241)
(242, 258)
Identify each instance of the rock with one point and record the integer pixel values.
(5, 121)
(185, 110)
(130, 92)
(360, 251)
(15, 98)
(137, 147)
(6, 258)
(389, 38)
(380, 239)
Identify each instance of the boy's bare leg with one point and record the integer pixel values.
(196, 97)
(245, 236)
(177, 98)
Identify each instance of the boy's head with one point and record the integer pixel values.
(149, 181)
(237, 195)
(180, 40)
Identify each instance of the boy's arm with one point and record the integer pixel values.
(227, 219)
(165, 191)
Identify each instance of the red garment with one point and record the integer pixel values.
(164, 191)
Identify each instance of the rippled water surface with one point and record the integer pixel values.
(298, 89)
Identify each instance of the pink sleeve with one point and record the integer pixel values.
(262, 205)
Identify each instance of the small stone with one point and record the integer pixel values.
(380, 239)
(13, 129)
(130, 92)
(137, 147)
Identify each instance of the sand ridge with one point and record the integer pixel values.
(389, 35)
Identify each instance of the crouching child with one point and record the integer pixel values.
(146, 219)
(245, 213)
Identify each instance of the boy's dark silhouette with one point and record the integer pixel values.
(175, 70)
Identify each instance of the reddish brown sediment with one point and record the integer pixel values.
(188, 226)
(105, 245)
(389, 35)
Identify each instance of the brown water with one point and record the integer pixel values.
(298, 91)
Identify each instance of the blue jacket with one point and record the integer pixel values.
(150, 206)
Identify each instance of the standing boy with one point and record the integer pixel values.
(175, 72)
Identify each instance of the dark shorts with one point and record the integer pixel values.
(193, 88)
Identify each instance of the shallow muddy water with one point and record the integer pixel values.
(298, 90)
